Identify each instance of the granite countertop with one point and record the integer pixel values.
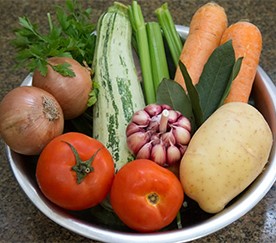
(21, 221)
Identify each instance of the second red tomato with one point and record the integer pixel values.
(146, 196)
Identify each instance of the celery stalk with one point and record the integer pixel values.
(172, 37)
(139, 27)
(158, 59)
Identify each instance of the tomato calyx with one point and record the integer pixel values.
(82, 168)
(153, 198)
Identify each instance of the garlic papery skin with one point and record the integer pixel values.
(159, 133)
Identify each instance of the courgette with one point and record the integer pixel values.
(120, 91)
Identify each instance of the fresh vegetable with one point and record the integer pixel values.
(159, 65)
(158, 133)
(120, 93)
(172, 37)
(146, 196)
(140, 34)
(70, 35)
(214, 83)
(72, 93)
(148, 40)
(75, 171)
(247, 43)
(206, 28)
(29, 118)
(172, 94)
(199, 101)
(225, 155)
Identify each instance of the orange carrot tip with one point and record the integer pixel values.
(206, 29)
(247, 43)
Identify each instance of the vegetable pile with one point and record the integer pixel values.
(134, 146)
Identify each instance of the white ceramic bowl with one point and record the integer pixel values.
(264, 93)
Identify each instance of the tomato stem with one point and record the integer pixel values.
(82, 168)
(178, 220)
(153, 198)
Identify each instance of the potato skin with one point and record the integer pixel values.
(225, 155)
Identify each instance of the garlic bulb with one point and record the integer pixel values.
(158, 133)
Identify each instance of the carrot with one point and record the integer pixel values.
(206, 28)
(247, 43)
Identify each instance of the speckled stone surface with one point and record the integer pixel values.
(21, 221)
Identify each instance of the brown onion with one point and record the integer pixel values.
(29, 118)
(72, 93)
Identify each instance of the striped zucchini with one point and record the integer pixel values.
(120, 92)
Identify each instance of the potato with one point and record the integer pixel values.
(225, 155)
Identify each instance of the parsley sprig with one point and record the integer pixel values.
(69, 35)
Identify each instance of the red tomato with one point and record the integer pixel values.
(58, 180)
(146, 196)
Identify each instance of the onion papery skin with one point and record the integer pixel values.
(29, 119)
(72, 93)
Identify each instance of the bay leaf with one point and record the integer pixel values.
(171, 93)
(234, 74)
(214, 80)
(193, 95)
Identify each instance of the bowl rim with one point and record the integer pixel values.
(230, 214)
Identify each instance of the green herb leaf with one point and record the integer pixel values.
(42, 67)
(171, 93)
(234, 74)
(106, 218)
(64, 69)
(193, 95)
(93, 95)
(25, 22)
(70, 35)
(215, 77)
(70, 5)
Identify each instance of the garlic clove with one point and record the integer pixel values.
(136, 140)
(173, 115)
(181, 135)
(158, 154)
(167, 107)
(153, 109)
(183, 122)
(132, 128)
(141, 118)
(145, 151)
(173, 155)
